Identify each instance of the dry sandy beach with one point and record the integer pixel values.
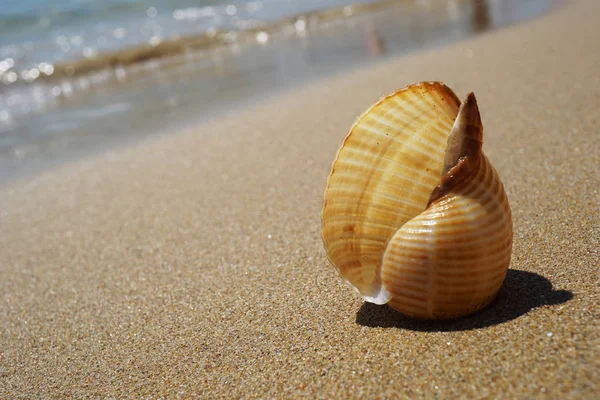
(191, 265)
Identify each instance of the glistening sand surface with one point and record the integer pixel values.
(193, 265)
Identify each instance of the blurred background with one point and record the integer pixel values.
(79, 76)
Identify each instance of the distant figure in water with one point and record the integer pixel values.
(481, 15)
(373, 41)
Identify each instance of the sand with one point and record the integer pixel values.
(191, 265)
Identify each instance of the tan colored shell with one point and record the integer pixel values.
(414, 214)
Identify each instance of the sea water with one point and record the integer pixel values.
(42, 31)
(78, 73)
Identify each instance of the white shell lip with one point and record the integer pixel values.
(380, 298)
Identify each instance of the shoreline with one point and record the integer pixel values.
(82, 119)
(192, 265)
(257, 32)
(296, 24)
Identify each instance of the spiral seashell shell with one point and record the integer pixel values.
(414, 214)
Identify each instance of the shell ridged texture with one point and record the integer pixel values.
(465, 239)
(383, 176)
(414, 213)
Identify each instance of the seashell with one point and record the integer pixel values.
(414, 214)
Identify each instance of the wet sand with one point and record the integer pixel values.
(191, 265)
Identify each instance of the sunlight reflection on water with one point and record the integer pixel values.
(54, 119)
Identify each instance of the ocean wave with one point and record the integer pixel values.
(212, 34)
(43, 17)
